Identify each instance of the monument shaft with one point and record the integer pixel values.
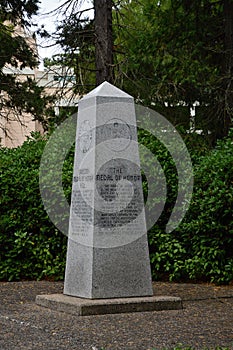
(107, 255)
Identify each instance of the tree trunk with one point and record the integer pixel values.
(103, 41)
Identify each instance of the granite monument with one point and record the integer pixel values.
(107, 254)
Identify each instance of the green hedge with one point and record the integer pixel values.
(200, 249)
(30, 246)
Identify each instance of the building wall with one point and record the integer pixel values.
(16, 132)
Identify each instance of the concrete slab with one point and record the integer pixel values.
(87, 307)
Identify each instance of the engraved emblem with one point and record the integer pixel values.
(118, 133)
(85, 136)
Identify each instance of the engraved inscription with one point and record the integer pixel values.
(118, 183)
(112, 188)
(82, 212)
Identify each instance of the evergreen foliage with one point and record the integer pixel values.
(18, 96)
(165, 52)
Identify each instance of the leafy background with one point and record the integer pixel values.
(200, 249)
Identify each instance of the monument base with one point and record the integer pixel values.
(87, 307)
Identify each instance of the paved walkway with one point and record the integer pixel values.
(205, 322)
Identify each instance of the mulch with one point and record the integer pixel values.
(206, 321)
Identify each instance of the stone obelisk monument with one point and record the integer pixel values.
(107, 254)
(108, 268)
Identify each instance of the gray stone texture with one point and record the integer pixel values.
(86, 307)
(107, 253)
